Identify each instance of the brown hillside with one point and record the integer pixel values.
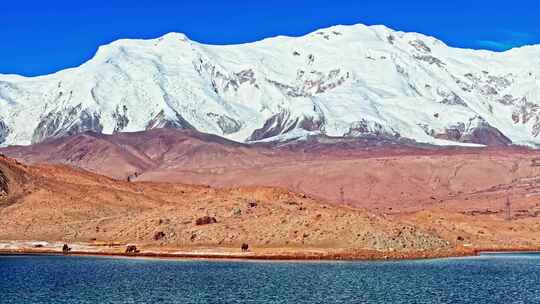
(58, 203)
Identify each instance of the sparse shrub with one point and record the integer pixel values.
(237, 211)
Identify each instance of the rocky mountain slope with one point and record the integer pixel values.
(343, 81)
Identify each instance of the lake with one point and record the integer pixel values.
(490, 278)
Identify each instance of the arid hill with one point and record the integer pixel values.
(60, 203)
(57, 203)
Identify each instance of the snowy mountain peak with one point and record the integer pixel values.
(174, 37)
(340, 81)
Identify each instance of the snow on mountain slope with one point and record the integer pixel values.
(340, 81)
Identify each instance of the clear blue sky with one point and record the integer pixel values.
(40, 37)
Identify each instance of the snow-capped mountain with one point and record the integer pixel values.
(339, 81)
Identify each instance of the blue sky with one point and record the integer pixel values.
(40, 37)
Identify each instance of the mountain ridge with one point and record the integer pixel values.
(340, 81)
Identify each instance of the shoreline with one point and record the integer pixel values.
(256, 254)
(293, 257)
(364, 255)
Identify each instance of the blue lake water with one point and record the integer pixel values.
(498, 278)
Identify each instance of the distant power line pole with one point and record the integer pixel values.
(341, 195)
(508, 209)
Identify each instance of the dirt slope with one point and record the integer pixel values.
(60, 203)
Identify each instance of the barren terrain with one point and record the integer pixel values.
(56, 203)
(311, 198)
